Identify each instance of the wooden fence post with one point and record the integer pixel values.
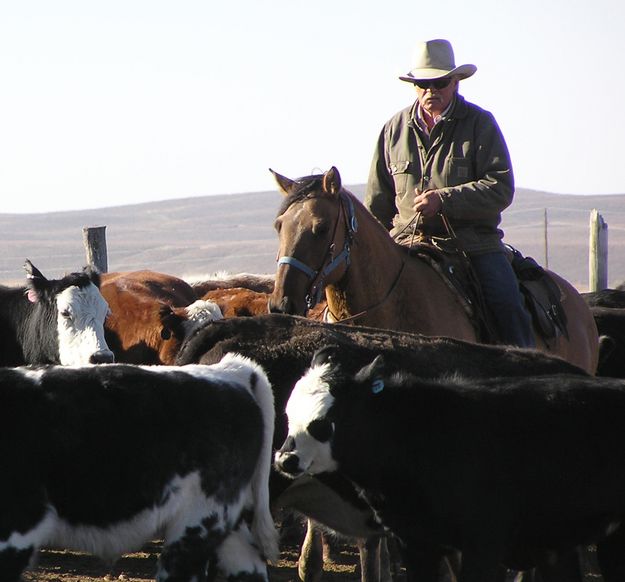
(598, 253)
(94, 239)
(546, 238)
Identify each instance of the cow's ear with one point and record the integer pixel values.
(372, 375)
(36, 283)
(171, 322)
(326, 355)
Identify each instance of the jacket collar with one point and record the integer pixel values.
(458, 109)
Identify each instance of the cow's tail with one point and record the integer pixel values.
(263, 526)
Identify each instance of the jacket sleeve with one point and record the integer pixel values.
(380, 191)
(493, 189)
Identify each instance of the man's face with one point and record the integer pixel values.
(434, 96)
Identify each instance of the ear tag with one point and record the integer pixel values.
(377, 386)
(32, 296)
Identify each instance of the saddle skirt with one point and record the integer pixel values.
(541, 294)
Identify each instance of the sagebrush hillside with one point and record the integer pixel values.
(234, 233)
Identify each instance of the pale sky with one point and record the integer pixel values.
(126, 101)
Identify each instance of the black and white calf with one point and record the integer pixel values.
(105, 458)
(57, 321)
(507, 470)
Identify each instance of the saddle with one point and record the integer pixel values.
(541, 294)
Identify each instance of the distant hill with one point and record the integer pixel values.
(234, 233)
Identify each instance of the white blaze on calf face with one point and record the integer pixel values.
(81, 315)
(309, 403)
(202, 310)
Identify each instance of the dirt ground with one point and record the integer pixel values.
(66, 566)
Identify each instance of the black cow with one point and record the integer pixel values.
(605, 298)
(502, 469)
(608, 309)
(58, 321)
(611, 326)
(284, 346)
(105, 458)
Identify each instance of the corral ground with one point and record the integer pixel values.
(66, 566)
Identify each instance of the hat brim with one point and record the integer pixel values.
(462, 72)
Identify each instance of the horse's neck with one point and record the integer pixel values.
(375, 263)
(384, 287)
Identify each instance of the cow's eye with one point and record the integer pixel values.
(320, 430)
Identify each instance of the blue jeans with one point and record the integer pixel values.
(503, 297)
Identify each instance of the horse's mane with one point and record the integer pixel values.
(305, 187)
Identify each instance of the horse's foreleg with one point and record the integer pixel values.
(310, 563)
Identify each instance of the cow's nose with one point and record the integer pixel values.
(288, 463)
(102, 357)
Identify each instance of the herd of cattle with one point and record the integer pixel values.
(489, 456)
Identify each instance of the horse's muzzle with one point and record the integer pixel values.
(285, 306)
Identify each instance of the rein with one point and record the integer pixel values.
(376, 305)
(330, 262)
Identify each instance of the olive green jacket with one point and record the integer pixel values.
(467, 161)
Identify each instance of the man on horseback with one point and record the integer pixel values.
(441, 168)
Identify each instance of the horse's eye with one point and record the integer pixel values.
(66, 313)
(320, 229)
(277, 225)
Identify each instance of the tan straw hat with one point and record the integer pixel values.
(435, 60)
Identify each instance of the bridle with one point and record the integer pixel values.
(330, 262)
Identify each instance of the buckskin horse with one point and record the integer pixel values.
(330, 242)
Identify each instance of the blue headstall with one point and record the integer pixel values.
(330, 262)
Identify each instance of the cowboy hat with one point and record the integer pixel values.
(435, 60)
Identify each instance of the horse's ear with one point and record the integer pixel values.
(285, 184)
(332, 181)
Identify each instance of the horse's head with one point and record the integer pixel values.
(315, 226)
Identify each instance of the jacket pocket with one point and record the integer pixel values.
(399, 171)
(459, 171)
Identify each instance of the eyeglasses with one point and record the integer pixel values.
(436, 83)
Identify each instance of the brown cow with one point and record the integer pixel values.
(224, 280)
(241, 301)
(136, 330)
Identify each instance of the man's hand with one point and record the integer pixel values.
(428, 203)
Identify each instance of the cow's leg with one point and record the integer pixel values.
(423, 561)
(375, 560)
(611, 556)
(480, 561)
(561, 566)
(369, 550)
(310, 563)
(191, 555)
(239, 559)
(13, 561)
(191, 541)
(24, 526)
